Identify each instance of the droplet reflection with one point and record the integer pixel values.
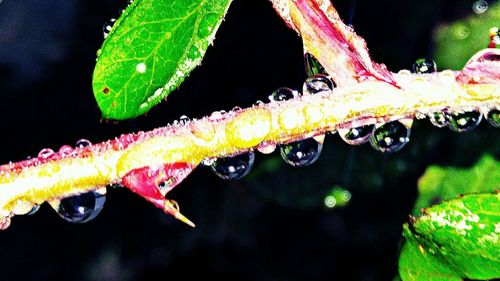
(493, 117)
(424, 65)
(235, 167)
(464, 121)
(318, 84)
(390, 137)
(358, 135)
(81, 208)
(301, 153)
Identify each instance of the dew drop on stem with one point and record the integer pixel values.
(301, 153)
(424, 65)
(282, 94)
(183, 120)
(45, 153)
(318, 84)
(438, 119)
(358, 135)
(234, 167)
(81, 208)
(493, 117)
(266, 147)
(35, 209)
(390, 137)
(464, 121)
(65, 149)
(82, 143)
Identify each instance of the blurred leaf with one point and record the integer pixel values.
(151, 48)
(445, 183)
(461, 235)
(458, 41)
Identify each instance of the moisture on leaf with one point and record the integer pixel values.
(445, 183)
(461, 234)
(151, 48)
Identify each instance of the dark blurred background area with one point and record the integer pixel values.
(272, 224)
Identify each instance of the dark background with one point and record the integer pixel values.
(271, 225)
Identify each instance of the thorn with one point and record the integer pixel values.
(172, 208)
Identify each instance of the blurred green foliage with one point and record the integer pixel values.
(445, 183)
(455, 43)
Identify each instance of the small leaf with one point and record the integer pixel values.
(151, 48)
(445, 183)
(463, 233)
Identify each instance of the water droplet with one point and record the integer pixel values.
(183, 120)
(207, 25)
(424, 65)
(282, 94)
(82, 143)
(235, 110)
(194, 52)
(301, 153)
(419, 115)
(22, 207)
(208, 161)
(464, 121)
(438, 119)
(81, 208)
(107, 27)
(390, 137)
(5, 222)
(493, 117)
(259, 103)
(318, 84)
(65, 149)
(167, 185)
(141, 68)
(313, 66)
(358, 135)
(217, 115)
(480, 7)
(494, 38)
(234, 167)
(46, 153)
(35, 209)
(266, 147)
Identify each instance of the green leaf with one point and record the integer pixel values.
(417, 264)
(151, 48)
(445, 183)
(462, 234)
(455, 43)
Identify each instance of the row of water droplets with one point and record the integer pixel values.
(79, 208)
(389, 137)
(458, 121)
